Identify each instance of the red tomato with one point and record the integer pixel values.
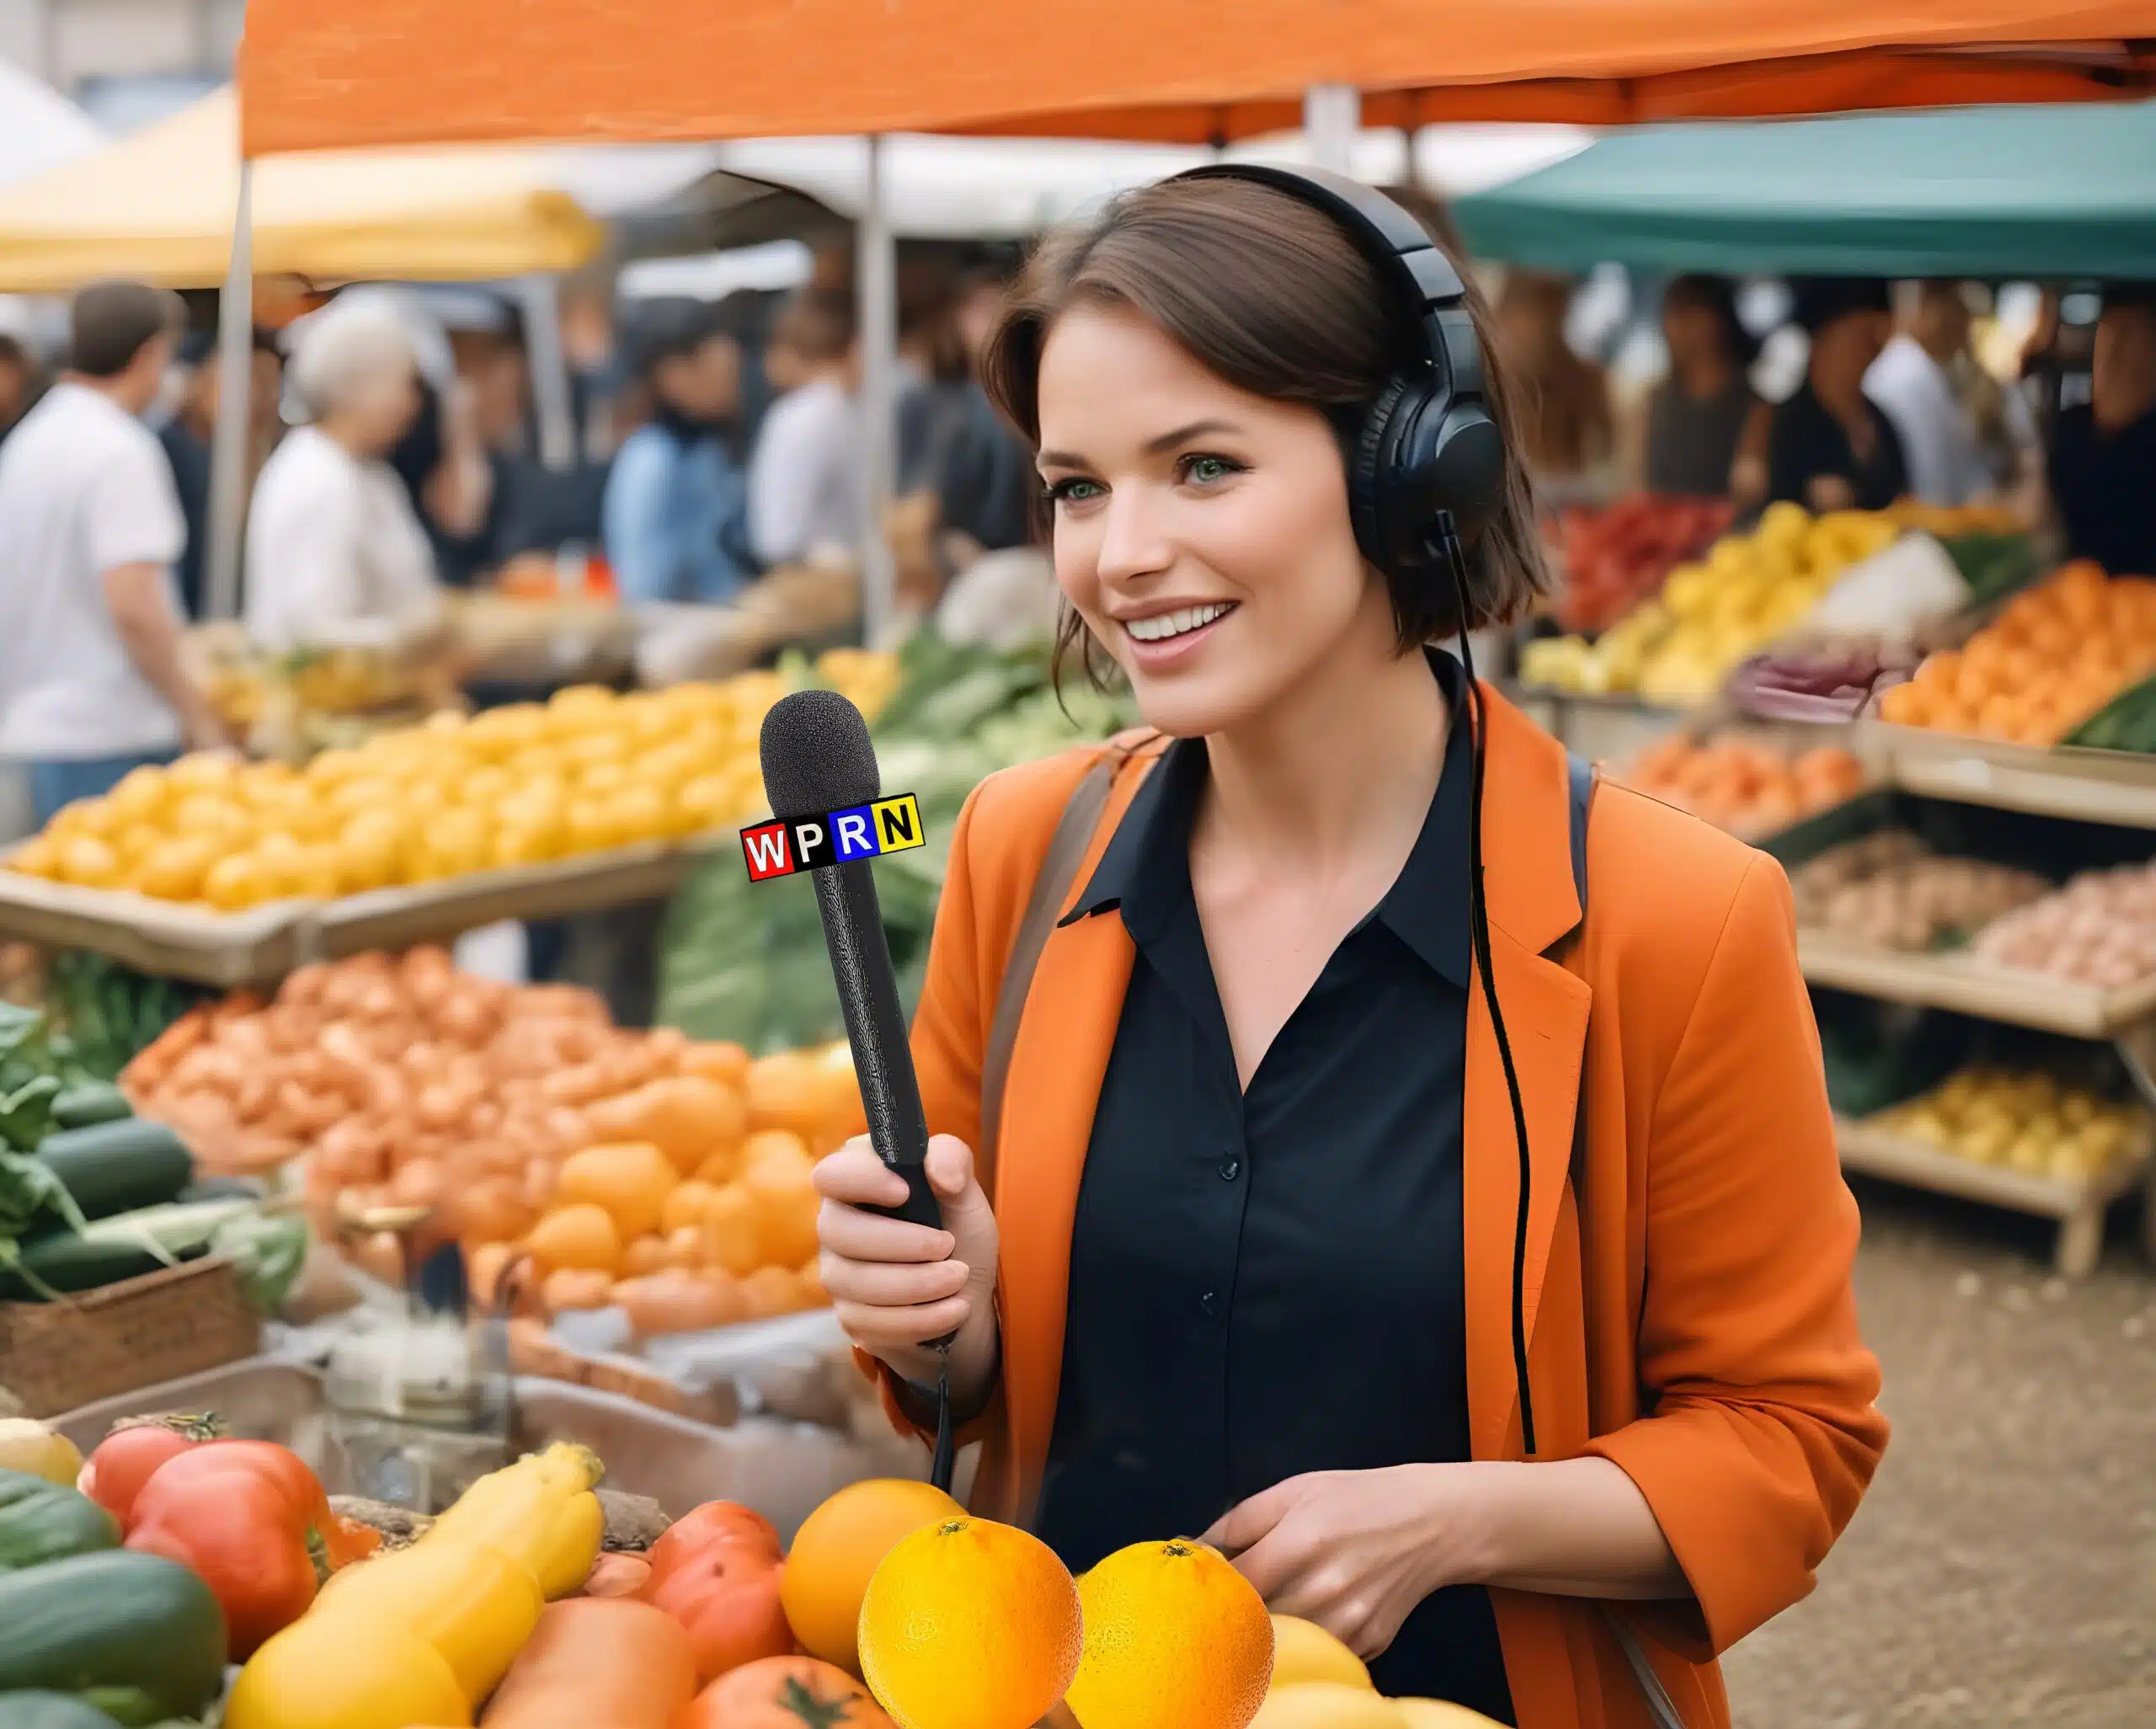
(715, 1524)
(726, 1598)
(126, 1458)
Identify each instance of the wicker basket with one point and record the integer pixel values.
(102, 1343)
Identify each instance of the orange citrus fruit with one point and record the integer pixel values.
(836, 1553)
(970, 1625)
(1174, 1635)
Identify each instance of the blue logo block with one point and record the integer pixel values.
(853, 833)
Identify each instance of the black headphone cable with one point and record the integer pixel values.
(1478, 927)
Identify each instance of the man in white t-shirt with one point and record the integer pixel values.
(804, 478)
(92, 679)
(1914, 380)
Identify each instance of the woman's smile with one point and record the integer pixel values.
(1161, 639)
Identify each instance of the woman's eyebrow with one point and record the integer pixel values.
(1154, 447)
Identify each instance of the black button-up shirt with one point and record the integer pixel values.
(1268, 1282)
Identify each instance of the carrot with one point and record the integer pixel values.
(155, 1060)
(597, 1660)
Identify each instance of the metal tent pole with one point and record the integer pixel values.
(228, 447)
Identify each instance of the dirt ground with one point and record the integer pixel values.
(2003, 1569)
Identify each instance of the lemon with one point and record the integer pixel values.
(40, 857)
(1439, 1714)
(706, 802)
(1303, 1651)
(236, 882)
(140, 796)
(643, 812)
(204, 772)
(88, 863)
(592, 826)
(1327, 1704)
(174, 870)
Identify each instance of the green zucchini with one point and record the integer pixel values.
(90, 1102)
(50, 1710)
(126, 1244)
(139, 1637)
(119, 1167)
(41, 1522)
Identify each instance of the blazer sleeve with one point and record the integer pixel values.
(1760, 1434)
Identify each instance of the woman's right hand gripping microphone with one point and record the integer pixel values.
(895, 1286)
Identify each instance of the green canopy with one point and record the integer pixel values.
(2058, 191)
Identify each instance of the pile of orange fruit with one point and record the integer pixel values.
(2058, 652)
(1746, 787)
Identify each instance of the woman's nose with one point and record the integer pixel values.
(1133, 542)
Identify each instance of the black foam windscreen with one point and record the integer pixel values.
(817, 756)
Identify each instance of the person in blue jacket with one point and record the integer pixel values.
(676, 501)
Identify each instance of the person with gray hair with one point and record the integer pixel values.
(336, 556)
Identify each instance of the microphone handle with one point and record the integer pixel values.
(883, 1062)
(876, 1029)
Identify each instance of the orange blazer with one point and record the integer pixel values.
(1687, 1291)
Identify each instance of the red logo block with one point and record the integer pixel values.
(768, 849)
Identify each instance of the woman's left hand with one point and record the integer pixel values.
(1356, 1551)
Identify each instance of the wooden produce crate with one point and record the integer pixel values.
(2078, 1205)
(101, 1344)
(2118, 788)
(199, 944)
(261, 945)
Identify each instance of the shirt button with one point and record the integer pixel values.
(1208, 1305)
(1232, 1167)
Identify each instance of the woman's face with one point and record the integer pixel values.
(1202, 533)
(380, 409)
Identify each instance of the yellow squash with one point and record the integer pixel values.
(424, 1634)
(539, 1511)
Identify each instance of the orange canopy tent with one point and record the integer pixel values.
(408, 72)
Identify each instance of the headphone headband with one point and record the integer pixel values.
(1416, 274)
(1428, 447)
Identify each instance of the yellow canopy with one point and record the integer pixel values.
(160, 205)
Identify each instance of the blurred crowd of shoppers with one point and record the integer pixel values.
(1891, 402)
(392, 454)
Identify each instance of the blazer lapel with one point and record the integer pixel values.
(1527, 873)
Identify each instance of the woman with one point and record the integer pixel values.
(335, 554)
(1568, 432)
(1696, 417)
(1244, 1267)
(1831, 446)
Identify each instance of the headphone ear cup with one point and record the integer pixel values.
(1368, 476)
(1466, 467)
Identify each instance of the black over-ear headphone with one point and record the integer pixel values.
(1426, 472)
(1428, 444)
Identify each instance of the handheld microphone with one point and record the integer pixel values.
(817, 757)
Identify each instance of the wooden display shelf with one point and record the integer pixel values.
(2117, 787)
(2078, 1204)
(1971, 987)
(261, 945)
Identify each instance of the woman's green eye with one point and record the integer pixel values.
(1073, 492)
(1209, 471)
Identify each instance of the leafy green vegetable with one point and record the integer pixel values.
(266, 1252)
(31, 1195)
(746, 961)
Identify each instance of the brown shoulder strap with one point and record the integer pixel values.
(1067, 850)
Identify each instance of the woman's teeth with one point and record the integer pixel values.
(1162, 627)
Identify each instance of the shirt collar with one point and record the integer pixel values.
(1145, 870)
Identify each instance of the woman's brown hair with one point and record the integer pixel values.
(1270, 294)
